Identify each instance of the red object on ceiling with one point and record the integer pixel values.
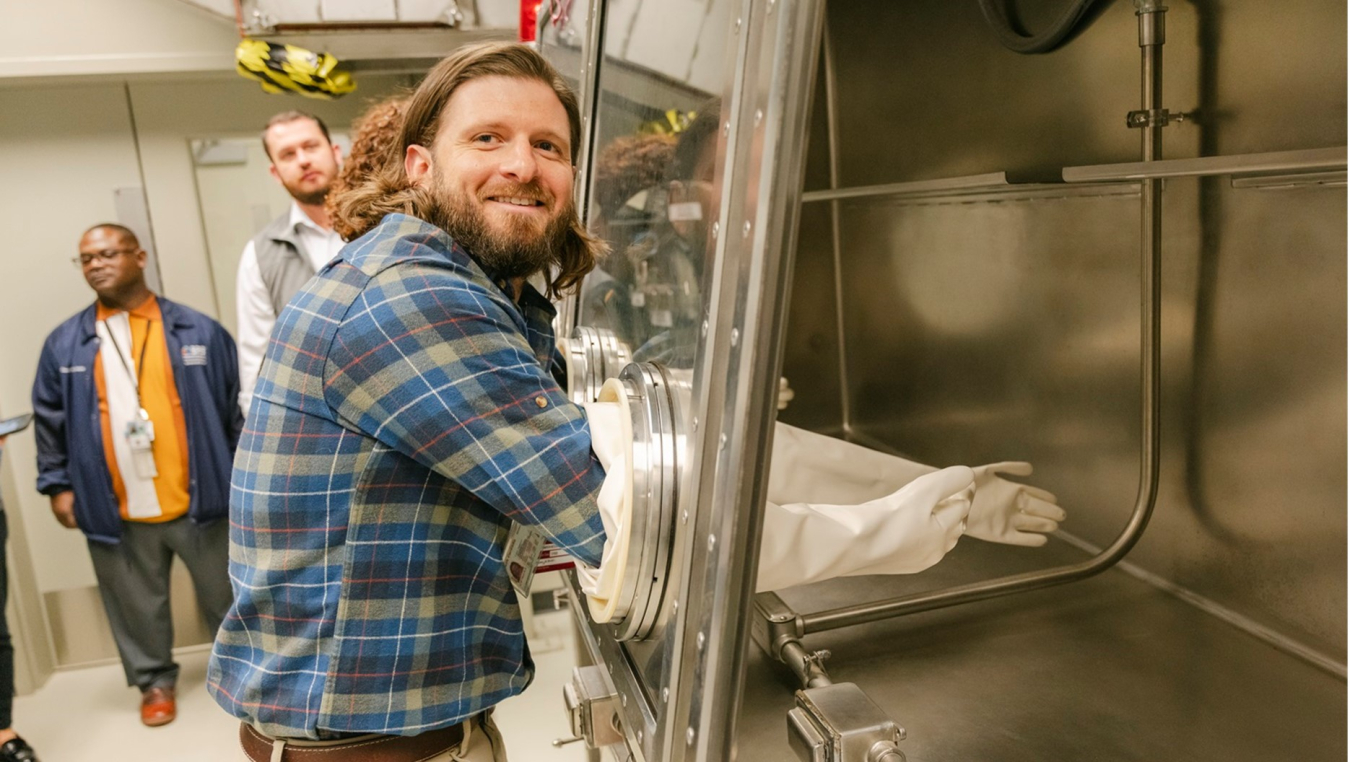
(529, 19)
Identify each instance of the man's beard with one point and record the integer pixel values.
(310, 198)
(313, 198)
(518, 251)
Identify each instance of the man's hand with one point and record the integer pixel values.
(63, 508)
(1008, 512)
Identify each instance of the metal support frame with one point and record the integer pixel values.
(832, 722)
(1151, 39)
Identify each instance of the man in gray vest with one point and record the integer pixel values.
(293, 247)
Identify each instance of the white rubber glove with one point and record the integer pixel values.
(612, 441)
(1009, 512)
(810, 467)
(901, 533)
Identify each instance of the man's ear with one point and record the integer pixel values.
(337, 154)
(272, 170)
(417, 163)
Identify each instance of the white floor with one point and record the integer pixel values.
(89, 715)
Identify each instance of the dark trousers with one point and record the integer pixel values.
(133, 580)
(6, 643)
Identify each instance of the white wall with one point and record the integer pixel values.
(62, 152)
(64, 37)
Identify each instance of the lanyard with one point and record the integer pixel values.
(140, 365)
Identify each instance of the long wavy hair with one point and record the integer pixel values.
(387, 190)
(375, 135)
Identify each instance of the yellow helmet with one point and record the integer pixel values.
(286, 68)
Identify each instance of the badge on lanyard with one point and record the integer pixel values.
(141, 437)
(140, 430)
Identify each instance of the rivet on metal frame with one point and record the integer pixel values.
(665, 695)
(698, 643)
(735, 336)
(684, 517)
(737, 30)
(712, 541)
(771, 2)
(675, 604)
(726, 128)
(722, 442)
(704, 330)
(696, 421)
(759, 116)
(717, 228)
(745, 229)
(689, 737)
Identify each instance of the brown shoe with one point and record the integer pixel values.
(158, 706)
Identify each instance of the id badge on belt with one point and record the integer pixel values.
(140, 435)
(521, 555)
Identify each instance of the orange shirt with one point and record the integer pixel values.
(159, 397)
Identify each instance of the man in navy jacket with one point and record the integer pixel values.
(136, 415)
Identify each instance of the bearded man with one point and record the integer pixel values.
(285, 254)
(410, 409)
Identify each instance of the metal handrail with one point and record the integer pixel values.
(1150, 42)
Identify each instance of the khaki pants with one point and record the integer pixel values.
(482, 743)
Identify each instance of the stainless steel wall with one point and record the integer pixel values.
(1007, 327)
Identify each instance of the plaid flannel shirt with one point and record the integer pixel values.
(405, 415)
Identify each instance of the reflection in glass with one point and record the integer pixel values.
(653, 198)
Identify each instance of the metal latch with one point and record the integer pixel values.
(1158, 117)
(593, 709)
(839, 723)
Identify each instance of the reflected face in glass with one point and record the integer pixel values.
(109, 262)
(696, 194)
(303, 160)
(501, 164)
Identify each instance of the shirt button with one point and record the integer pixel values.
(541, 401)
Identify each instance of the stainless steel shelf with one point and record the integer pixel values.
(990, 181)
(987, 187)
(1276, 163)
(1317, 166)
(1065, 673)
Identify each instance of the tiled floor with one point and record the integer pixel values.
(89, 715)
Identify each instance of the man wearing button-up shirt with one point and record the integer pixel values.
(409, 412)
(292, 248)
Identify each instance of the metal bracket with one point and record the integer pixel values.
(774, 625)
(593, 710)
(839, 723)
(1156, 118)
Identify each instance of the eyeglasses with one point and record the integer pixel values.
(107, 255)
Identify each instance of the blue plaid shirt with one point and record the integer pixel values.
(404, 417)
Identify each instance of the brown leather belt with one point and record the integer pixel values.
(373, 748)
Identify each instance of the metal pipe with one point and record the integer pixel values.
(836, 249)
(1151, 38)
(804, 664)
